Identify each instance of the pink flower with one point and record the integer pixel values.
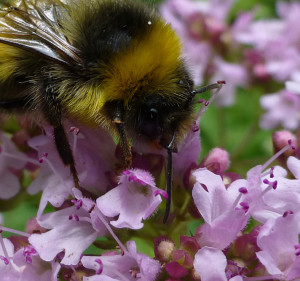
(9, 271)
(276, 39)
(34, 268)
(11, 160)
(70, 231)
(217, 205)
(210, 264)
(135, 198)
(234, 74)
(279, 243)
(129, 266)
(282, 109)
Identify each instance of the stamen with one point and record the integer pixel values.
(4, 259)
(74, 216)
(25, 159)
(245, 206)
(163, 193)
(92, 208)
(77, 203)
(133, 273)
(42, 159)
(76, 131)
(100, 269)
(195, 127)
(286, 213)
(243, 190)
(100, 216)
(238, 198)
(270, 183)
(276, 155)
(54, 171)
(218, 87)
(3, 228)
(290, 144)
(271, 172)
(119, 248)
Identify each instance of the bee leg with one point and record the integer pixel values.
(115, 112)
(51, 108)
(65, 152)
(124, 142)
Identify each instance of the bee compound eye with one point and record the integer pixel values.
(153, 113)
(150, 124)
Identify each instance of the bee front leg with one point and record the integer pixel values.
(52, 110)
(65, 151)
(124, 142)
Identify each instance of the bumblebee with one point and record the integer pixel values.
(108, 63)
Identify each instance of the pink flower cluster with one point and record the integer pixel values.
(243, 52)
(55, 243)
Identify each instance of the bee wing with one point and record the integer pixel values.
(35, 27)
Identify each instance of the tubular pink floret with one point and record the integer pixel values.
(100, 269)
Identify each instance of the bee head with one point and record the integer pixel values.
(155, 117)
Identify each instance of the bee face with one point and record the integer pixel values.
(157, 116)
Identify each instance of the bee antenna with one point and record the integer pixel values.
(169, 178)
(208, 88)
